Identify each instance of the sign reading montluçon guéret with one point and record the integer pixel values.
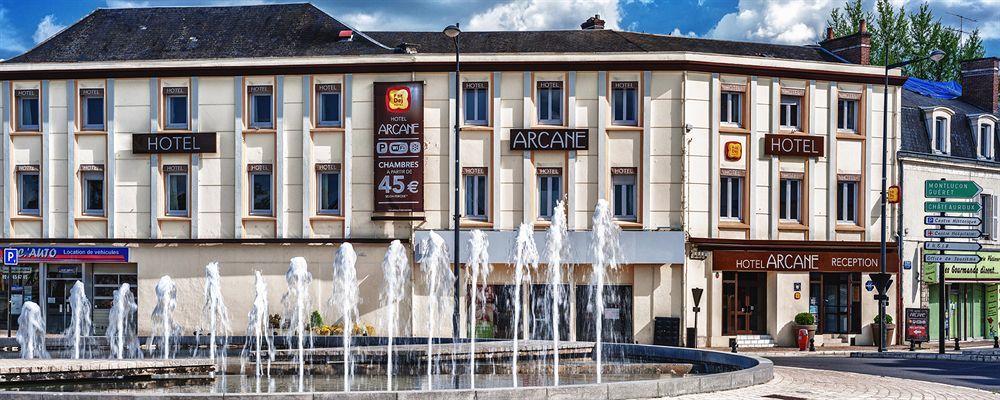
(399, 146)
(917, 324)
(147, 143)
(951, 189)
(549, 139)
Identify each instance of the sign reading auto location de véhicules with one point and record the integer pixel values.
(399, 146)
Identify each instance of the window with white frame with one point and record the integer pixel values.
(624, 103)
(731, 198)
(986, 141)
(847, 202)
(624, 195)
(550, 98)
(176, 101)
(988, 216)
(261, 106)
(790, 200)
(731, 112)
(28, 190)
(93, 193)
(176, 178)
(329, 105)
(940, 135)
(476, 97)
(791, 109)
(92, 102)
(847, 115)
(476, 193)
(28, 109)
(549, 190)
(329, 192)
(260, 189)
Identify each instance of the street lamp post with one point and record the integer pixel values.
(935, 55)
(452, 31)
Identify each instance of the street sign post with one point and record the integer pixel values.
(943, 189)
(952, 258)
(952, 206)
(969, 246)
(952, 233)
(958, 221)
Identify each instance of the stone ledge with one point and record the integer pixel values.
(927, 356)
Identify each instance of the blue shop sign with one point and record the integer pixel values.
(41, 254)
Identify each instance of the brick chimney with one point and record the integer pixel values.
(980, 82)
(594, 22)
(855, 48)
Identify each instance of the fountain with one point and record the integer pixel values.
(214, 315)
(607, 254)
(345, 297)
(396, 268)
(31, 331)
(479, 267)
(165, 328)
(121, 332)
(258, 334)
(440, 281)
(80, 322)
(294, 315)
(556, 250)
(525, 258)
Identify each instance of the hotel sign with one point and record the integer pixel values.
(549, 139)
(776, 144)
(399, 146)
(152, 143)
(800, 261)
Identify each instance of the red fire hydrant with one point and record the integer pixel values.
(803, 339)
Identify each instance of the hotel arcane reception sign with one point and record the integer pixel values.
(399, 146)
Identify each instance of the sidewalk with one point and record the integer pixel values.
(849, 351)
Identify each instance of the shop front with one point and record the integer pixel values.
(756, 288)
(46, 275)
(971, 302)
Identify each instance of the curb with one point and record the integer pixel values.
(991, 358)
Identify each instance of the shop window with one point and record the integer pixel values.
(617, 318)
(28, 193)
(93, 109)
(177, 110)
(20, 284)
(940, 135)
(550, 103)
(476, 195)
(28, 110)
(623, 189)
(847, 202)
(93, 193)
(329, 193)
(835, 298)
(261, 108)
(476, 97)
(260, 192)
(731, 113)
(731, 198)
(988, 216)
(549, 192)
(624, 103)
(177, 190)
(329, 97)
(791, 108)
(847, 115)
(986, 141)
(540, 303)
(790, 200)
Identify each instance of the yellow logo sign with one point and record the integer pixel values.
(397, 99)
(734, 151)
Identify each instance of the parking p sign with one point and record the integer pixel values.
(9, 256)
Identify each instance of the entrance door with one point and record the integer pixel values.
(744, 306)
(59, 282)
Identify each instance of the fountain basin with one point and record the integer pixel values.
(18, 371)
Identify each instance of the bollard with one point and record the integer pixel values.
(996, 342)
(733, 345)
(957, 347)
(812, 344)
(912, 348)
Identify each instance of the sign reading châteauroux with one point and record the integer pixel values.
(952, 206)
(399, 146)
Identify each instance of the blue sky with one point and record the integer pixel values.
(23, 23)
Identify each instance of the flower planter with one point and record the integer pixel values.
(876, 338)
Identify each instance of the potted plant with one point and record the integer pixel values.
(805, 321)
(889, 328)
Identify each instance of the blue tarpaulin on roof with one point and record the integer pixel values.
(938, 90)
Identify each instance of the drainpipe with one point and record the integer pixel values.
(900, 239)
(684, 202)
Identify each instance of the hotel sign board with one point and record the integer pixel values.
(154, 143)
(918, 325)
(800, 261)
(549, 139)
(798, 145)
(399, 146)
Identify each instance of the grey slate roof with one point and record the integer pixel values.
(916, 139)
(302, 30)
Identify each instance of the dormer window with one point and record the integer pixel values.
(986, 141)
(940, 135)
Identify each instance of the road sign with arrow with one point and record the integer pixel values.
(958, 221)
(951, 189)
(952, 258)
(967, 246)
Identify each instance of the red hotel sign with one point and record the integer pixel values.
(399, 146)
(794, 145)
(801, 261)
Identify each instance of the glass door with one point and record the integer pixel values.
(59, 281)
(19, 284)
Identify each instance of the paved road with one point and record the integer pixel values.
(808, 384)
(960, 373)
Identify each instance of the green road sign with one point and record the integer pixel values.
(951, 189)
(952, 206)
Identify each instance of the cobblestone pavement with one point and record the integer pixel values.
(798, 383)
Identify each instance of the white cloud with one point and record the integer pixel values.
(46, 28)
(362, 21)
(8, 36)
(520, 15)
(677, 32)
(150, 3)
(126, 4)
